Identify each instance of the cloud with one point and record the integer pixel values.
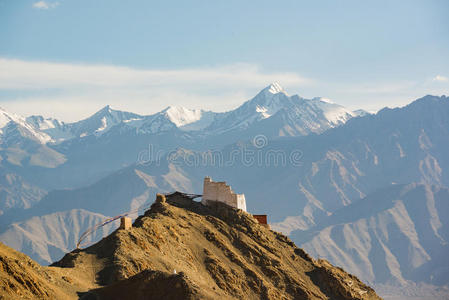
(72, 91)
(45, 4)
(18, 74)
(440, 78)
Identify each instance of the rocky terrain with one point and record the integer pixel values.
(22, 278)
(180, 249)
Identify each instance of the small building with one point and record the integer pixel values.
(221, 192)
(262, 219)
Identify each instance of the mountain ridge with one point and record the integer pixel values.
(264, 105)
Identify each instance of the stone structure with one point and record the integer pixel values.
(125, 223)
(220, 191)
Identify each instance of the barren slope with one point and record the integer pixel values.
(182, 249)
(22, 278)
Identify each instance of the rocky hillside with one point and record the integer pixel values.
(180, 249)
(22, 278)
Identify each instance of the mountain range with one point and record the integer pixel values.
(60, 155)
(301, 117)
(316, 168)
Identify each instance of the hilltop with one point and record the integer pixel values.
(180, 249)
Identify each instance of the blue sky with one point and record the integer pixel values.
(68, 58)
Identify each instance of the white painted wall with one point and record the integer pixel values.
(220, 191)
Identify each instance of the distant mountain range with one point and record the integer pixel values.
(316, 168)
(292, 116)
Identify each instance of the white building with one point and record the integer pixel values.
(220, 191)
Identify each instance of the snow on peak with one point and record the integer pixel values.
(101, 122)
(182, 116)
(104, 111)
(264, 105)
(334, 113)
(267, 103)
(275, 88)
(41, 123)
(7, 118)
(57, 130)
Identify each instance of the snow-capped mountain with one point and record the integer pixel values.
(101, 122)
(294, 115)
(57, 130)
(97, 124)
(75, 152)
(288, 115)
(264, 105)
(189, 119)
(14, 127)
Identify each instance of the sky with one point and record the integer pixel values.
(69, 58)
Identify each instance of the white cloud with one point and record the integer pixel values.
(18, 74)
(72, 91)
(440, 78)
(45, 4)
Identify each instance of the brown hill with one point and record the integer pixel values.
(22, 278)
(180, 249)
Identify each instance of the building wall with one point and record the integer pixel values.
(220, 191)
(241, 201)
(262, 219)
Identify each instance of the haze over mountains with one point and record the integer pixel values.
(317, 169)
